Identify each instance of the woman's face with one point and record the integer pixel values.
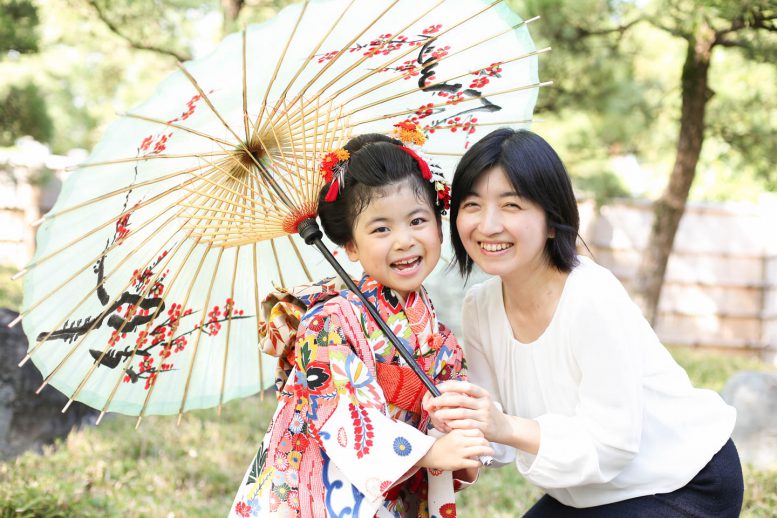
(503, 233)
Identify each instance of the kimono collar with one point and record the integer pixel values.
(417, 309)
(384, 298)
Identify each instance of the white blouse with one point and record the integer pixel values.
(618, 417)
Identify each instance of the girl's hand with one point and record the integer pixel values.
(439, 425)
(456, 450)
(464, 405)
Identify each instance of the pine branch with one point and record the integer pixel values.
(759, 21)
(132, 42)
(620, 29)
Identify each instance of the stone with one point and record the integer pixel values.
(754, 395)
(28, 420)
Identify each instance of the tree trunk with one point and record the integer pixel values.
(231, 10)
(669, 208)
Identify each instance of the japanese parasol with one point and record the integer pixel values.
(143, 295)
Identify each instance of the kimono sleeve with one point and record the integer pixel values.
(371, 450)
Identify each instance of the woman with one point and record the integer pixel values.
(567, 377)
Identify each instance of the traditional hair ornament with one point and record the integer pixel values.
(410, 133)
(332, 169)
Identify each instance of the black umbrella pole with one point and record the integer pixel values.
(312, 235)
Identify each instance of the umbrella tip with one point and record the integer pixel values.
(42, 385)
(18, 274)
(15, 321)
(24, 360)
(99, 418)
(137, 423)
(38, 221)
(67, 405)
(180, 416)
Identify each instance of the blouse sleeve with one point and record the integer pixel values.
(347, 406)
(479, 367)
(594, 444)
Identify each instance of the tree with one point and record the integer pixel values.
(704, 26)
(23, 112)
(23, 108)
(18, 26)
(146, 25)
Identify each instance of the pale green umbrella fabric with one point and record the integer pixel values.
(142, 296)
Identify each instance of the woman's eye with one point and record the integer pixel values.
(468, 205)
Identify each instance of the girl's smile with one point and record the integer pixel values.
(397, 239)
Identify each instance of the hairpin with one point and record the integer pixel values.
(411, 134)
(332, 169)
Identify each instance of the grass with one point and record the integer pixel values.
(192, 470)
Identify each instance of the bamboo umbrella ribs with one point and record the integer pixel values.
(144, 294)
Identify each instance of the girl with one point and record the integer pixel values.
(349, 435)
(567, 376)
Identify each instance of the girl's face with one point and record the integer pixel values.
(502, 232)
(397, 239)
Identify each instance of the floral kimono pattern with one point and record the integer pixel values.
(349, 426)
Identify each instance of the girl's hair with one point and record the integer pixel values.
(537, 174)
(376, 162)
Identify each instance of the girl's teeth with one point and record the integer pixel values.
(494, 247)
(407, 262)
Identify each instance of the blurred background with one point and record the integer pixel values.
(664, 111)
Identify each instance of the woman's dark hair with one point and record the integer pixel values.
(376, 162)
(537, 174)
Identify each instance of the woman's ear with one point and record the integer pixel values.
(352, 250)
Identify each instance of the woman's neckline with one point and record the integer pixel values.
(551, 322)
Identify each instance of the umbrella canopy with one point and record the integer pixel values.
(143, 295)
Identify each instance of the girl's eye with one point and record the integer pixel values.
(379, 230)
(418, 221)
(513, 205)
(468, 205)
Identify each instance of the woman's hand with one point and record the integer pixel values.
(463, 405)
(457, 450)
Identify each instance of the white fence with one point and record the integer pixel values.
(720, 288)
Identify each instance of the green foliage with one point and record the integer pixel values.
(162, 469)
(603, 187)
(18, 27)
(159, 26)
(10, 291)
(710, 370)
(23, 112)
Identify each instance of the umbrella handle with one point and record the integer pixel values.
(312, 235)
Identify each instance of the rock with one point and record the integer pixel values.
(28, 421)
(754, 395)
